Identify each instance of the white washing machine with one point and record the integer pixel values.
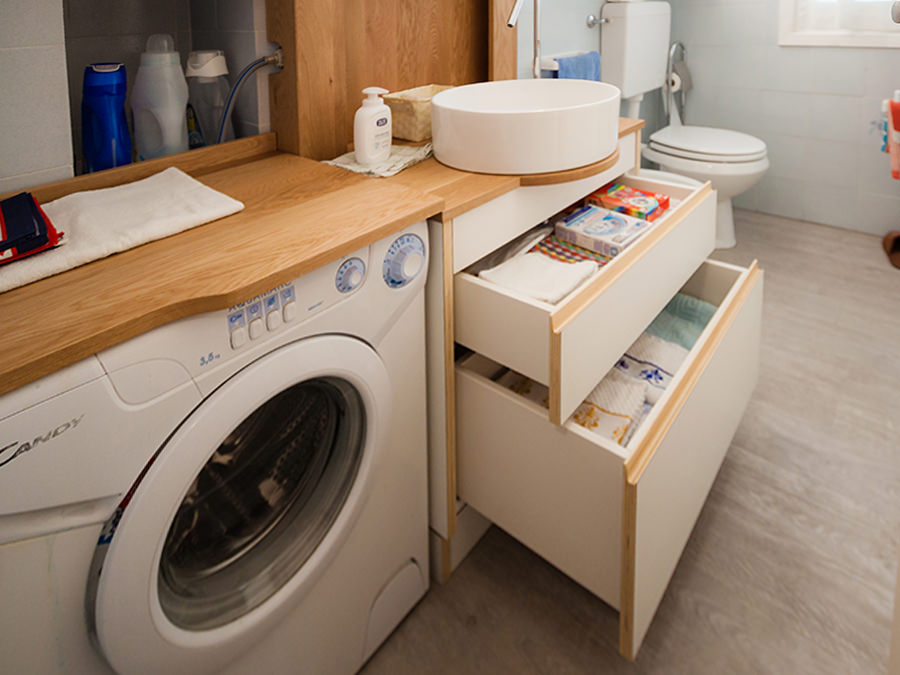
(239, 491)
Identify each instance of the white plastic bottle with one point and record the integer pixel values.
(372, 128)
(159, 100)
(208, 91)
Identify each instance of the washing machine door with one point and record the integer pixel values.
(241, 510)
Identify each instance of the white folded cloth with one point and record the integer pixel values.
(540, 277)
(614, 407)
(401, 157)
(101, 222)
(654, 361)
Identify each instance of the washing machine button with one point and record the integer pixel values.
(256, 328)
(289, 311)
(238, 337)
(273, 319)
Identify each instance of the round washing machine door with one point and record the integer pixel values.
(242, 509)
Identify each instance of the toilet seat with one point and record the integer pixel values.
(707, 144)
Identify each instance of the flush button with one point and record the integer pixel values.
(289, 310)
(238, 337)
(256, 328)
(273, 319)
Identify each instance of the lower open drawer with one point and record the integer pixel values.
(615, 518)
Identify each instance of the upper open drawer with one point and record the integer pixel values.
(571, 345)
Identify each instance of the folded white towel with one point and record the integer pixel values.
(540, 277)
(101, 222)
(613, 407)
(654, 361)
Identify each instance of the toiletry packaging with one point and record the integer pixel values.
(629, 200)
(599, 230)
(105, 138)
(372, 128)
(159, 100)
(208, 91)
(24, 228)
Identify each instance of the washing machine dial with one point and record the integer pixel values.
(350, 275)
(403, 261)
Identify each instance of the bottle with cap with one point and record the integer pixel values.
(208, 91)
(372, 128)
(105, 139)
(159, 100)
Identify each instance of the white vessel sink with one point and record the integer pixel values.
(525, 126)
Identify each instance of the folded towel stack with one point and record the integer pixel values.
(613, 407)
(682, 320)
(539, 277)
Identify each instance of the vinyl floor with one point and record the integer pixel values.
(791, 566)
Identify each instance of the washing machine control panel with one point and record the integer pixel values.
(403, 261)
(252, 319)
(350, 275)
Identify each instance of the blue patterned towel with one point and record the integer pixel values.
(682, 320)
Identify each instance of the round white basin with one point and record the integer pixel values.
(525, 126)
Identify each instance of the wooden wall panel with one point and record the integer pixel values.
(334, 48)
(503, 41)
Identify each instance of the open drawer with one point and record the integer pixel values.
(615, 518)
(603, 317)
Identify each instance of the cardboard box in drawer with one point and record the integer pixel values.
(600, 230)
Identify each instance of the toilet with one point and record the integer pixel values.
(634, 50)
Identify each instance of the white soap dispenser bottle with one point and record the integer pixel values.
(372, 128)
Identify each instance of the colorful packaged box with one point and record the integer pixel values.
(630, 201)
(599, 229)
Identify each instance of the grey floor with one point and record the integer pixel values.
(791, 566)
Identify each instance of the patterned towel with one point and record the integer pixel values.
(654, 361)
(564, 251)
(613, 407)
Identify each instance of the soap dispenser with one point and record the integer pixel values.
(372, 128)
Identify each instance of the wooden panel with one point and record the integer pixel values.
(206, 268)
(194, 162)
(284, 94)
(673, 466)
(502, 42)
(342, 46)
(556, 177)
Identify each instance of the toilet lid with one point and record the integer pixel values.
(708, 144)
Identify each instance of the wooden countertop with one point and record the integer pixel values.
(299, 214)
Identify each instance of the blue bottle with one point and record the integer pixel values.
(104, 131)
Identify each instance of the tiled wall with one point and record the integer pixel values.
(238, 27)
(813, 107)
(99, 30)
(35, 146)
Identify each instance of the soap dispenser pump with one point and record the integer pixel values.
(372, 128)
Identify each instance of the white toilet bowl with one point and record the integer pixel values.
(732, 161)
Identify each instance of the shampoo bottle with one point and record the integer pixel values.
(372, 128)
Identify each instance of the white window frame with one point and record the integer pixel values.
(790, 36)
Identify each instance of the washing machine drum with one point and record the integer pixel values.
(232, 524)
(707, 144)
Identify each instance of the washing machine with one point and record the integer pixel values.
(239, 491)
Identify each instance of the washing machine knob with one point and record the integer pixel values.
(350, 275)
(404, 260)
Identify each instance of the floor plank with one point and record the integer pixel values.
(791, 566)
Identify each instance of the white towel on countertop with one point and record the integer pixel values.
(654, 361)
(614, 407)
(401, 157)
(539, 277)
(101, 222)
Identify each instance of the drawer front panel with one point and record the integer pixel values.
(554, 490)
(585, 347)
(665, 492)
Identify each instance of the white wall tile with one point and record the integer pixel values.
(780, 196)
(832, 164)
(874, 175)
(785, 112)
(882, 72)
(839, 71)
(878, 214)
(234, 15)
(30, 23)
(788, 68)
(836, 118)
(34, 110)
(831, 206)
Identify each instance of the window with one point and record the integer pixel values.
(838, 23)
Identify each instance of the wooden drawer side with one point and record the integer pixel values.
(670, 474)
